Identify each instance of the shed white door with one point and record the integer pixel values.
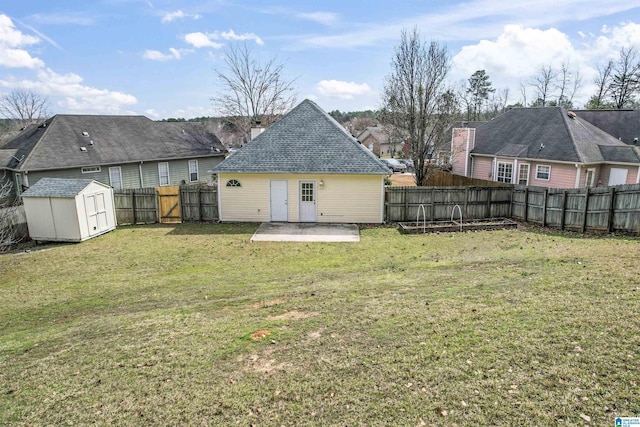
(279, 201)
(617, 176)
(96, 213)
(307, 201)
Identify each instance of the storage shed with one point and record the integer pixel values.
(68, 210)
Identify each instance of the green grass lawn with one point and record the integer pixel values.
(155, 325)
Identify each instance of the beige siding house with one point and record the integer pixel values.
(304, 168)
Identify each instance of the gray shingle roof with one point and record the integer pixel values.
(305, 140)
(57, 187)
(116, 140)
(623, 125)
(546, 134)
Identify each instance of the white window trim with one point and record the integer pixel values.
(593, 178)
(538, 172)
(160, 175)
(528, 172)
(194, 162)
(510, 179)
(119, 171)
(91, 169)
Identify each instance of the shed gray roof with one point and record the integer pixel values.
(56, 143)
(57, 187)
(550, 134)
(305, 140)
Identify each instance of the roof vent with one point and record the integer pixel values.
(91, 142)
(84, 149)
(44, 125)
(86, 134)
(571, 114)
(635, 141)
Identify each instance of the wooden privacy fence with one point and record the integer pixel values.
(600, 209)
(403, 203)
(166, 204)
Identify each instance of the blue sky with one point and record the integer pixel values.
(156, 57)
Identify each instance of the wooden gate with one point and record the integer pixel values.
(169, 204)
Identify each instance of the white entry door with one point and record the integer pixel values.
(279, 201)
(617, 176)
(307, 201)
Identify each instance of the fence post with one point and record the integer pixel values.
(544, 207)
(433, 204)
(488, 202)
(584, 211)
(133, 206)
(406, 204)
(526, 204)
(612, 195)
(563, 210)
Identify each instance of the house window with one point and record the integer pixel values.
(523, 174)
(505, 172)
(193, 170)
(590, 177)
(543, 172)
(163, 173)
(233, 183)
(115, 177)
(91, 169)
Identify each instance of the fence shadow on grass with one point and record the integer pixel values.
(213, 229)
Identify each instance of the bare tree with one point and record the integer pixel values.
(416, 98)
(625, 80)
(568, 83)
(602, 81)
(24, 106)
(543, 82)
(523, 92)
(252, 91)
(9, 213)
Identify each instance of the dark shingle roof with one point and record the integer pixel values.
(543, 133)
(57, 187)
(116, 140)
(305, 140)
(623, 125)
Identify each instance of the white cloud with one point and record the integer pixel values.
(200, 39)
(342, 90)
(518, 53)
(67, 18)
(152, 113)
(11, 42)
(76, 97)
(324, 18)
(156, 55)
(178, 14)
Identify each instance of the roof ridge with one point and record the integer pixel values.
(565, 117)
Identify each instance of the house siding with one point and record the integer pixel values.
(459, 152)
(342, 198)
(178, 172)
(632, 173)
(482, 168)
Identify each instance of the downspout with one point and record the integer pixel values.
(638, 176)
(516, 173)
(577, 184)
(141, 178)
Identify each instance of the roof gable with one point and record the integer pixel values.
(305, 140)
(85, 140)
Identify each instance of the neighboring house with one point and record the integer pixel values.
(121, 151)
(378, 140)
(303, 168)
(549, 147)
